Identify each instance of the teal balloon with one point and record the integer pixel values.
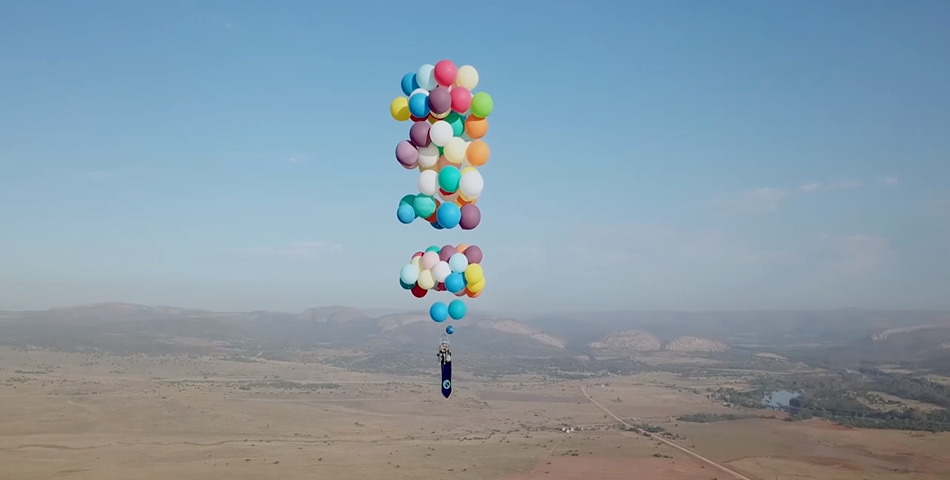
(449, 177)
(405, 286)
(457, 122)
(424, 205)
(408, 200)
(433, 248)
(409, 274)
(457, 309)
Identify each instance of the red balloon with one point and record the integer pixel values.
(440, 287)
(461, 99)
(418, 291)
(445, 73)
(417, 119)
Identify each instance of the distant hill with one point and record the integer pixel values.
(639, 341)
(695, 344)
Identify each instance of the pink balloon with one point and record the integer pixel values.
(461, 99)
(445, 73)
(417, 254)
(429, 259)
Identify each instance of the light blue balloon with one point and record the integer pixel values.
(419, 105)
(425, 77)
(405, 214)
(448, 215)
(457, 309)
(450, 329)
(454, 283)
(409, 274)
(409, 84)
(458, 262)
(439, 312)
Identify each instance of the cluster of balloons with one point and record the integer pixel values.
(453, 268)
(445, 144)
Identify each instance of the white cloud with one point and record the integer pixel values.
(298, 158)
(843, 185)
(890, 181)
(759, 200)
(300, 250)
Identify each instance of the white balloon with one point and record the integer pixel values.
(428, 182)
(419, 90)
(441, 133)
(425, 77)
(471, 184)
(441, 271)
(428, 156)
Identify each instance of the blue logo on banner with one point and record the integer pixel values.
(446, 384)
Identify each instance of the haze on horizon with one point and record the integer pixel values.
(238, 157)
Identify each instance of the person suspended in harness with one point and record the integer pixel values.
(445, 355)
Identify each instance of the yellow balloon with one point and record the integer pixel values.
(477, 286)
(425, 281)
(441, 115)
(469, 169)
(416, 262)
(474, 274)
(467, 77)
(399, 109)
(455, 150)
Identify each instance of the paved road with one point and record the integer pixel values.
(667, 442)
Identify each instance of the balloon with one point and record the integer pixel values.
(424, 205)
(473, 273)
(450, 330)
(428, 182)
(436, 225)
(405, 214)
(409, 274)
(419, 90)
(446, 252)
(467, 77)
(441, 271)
(458, 262)
(455, 150)
(460, 248)
(440, 101)
(406, 286)
(471, 217)
(448, 215)
(428, 156)
(418, 291)
(454, 282)
(473, 254)
(409, 83)
(471, 184)
(476, 287)
(425, 77)
(429, 259)
(399, 109)
(439, 116)
(439, 287)
(419, 134)
(477, 153)
(476, 127)
(419, 105)
(440, 133)
(432, 248)
(425, 282)
(417, 261)
(482, 104)
(458, 124)
(417, 254)
(406, 154)
(407, 199)
(449, 178)
(445, 72)
(457, 309)
(461, 99)
(438, 312)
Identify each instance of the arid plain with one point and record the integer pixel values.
(101, 416)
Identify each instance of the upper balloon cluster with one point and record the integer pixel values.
(445, 143)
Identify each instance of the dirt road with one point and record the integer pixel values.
(665, 441)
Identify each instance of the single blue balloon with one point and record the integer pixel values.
(409, 274)
(436, 225)
(405, 214)
(409, 84)
(454, 283)
(457, 309)
(448, 215)
(406, 286)
(419, 105)
(439, 312)
(450, 329)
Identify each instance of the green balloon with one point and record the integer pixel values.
(441, 149)
(482, 105)
(457, 122)
(433, 248)
(408, 200)
(449, 177)
(424, 205)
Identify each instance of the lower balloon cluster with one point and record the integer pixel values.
(453, 268)
(439, 214)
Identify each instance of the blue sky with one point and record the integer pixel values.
(645, 155)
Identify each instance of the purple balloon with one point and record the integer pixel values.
(471, 217)
(419, 134)
(446, 253)
(440, 100)
(473, 254)
(406, 154)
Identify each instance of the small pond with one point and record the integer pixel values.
(780, 398)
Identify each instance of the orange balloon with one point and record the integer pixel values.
(476, 127)
(477, 153)
(476, 294)
(460, 248)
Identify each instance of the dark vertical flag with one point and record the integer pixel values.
(446, 379)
